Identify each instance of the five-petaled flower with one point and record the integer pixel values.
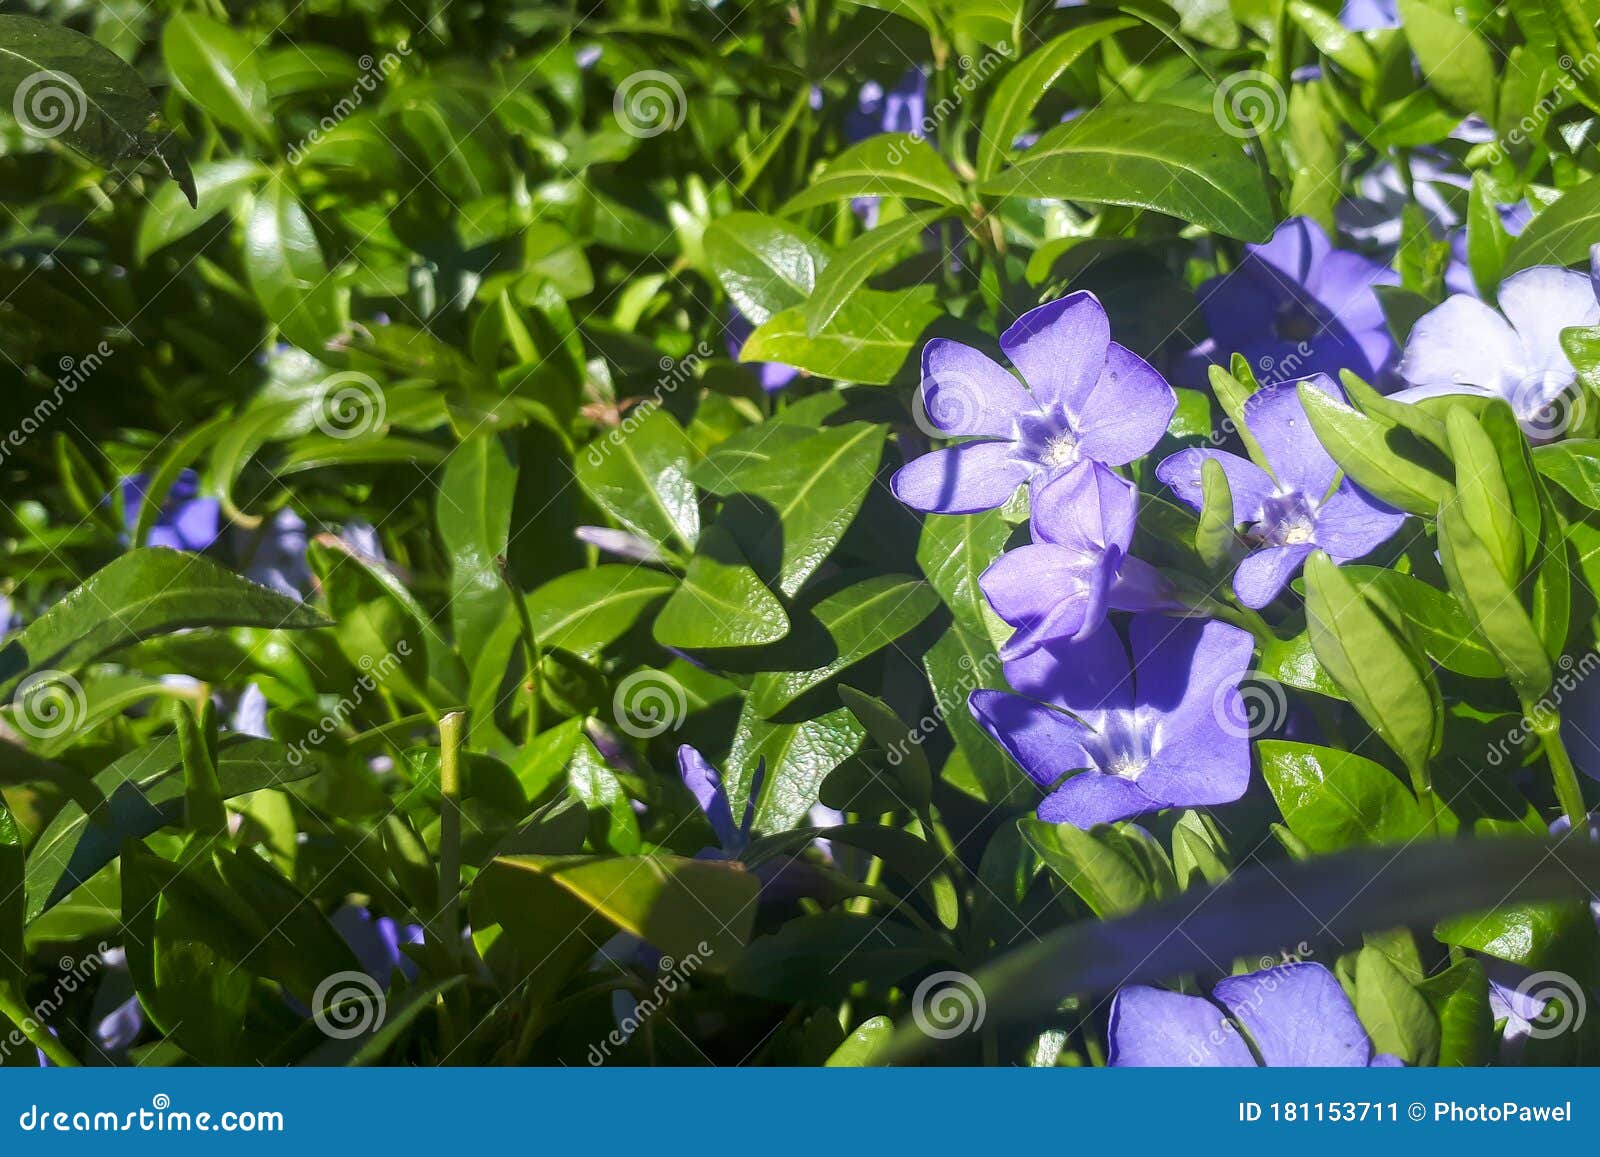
(1090, 399)
(1296, 306)
(1077, 567)
(1465, 346)
(1292, 1015)
(1141, 736)
(1296, 508)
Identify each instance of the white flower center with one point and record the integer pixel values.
(1060, 450)
(1127, 767)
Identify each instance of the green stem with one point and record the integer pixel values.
(447, 928)
(19, 1014)
(1547, 725)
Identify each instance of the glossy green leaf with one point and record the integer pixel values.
(1397, 1016)
(868, 341)
(287, 271)
(220, 70)
(721, 602)
(640, 475)
(859, 620)
(146, 592)
(888, 165)
(868, 254)
(1336, 799)
(1150, 156)
(585, 611)
(1376, 455)
(765, 264)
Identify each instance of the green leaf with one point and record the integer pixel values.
(13, 904)
(1459, 997)
(800, 961)
(197, 745)
(473, 514)
(1397, 1016)
(219, 70)
(1028, 82)
(765, 264)
(866, 255)
(862, 1046)
(790, 512)
(1336, 799)
(1453, 57)
(585, 611)
(287, 271)
(798, 757)
(890, 732)
(1436, 620)
(1334, 40)
(219, 186)
(379, 633)
(1561, 233)
(721, 602)
(953, 551)
(76, 90)
(143, 792)
(640, 475)
(685, 908)
(860, 620)
(888, 165)
(1387, 682)
(1150, 156)
(868, 340)
(1214, 538)
(1382, 458)
(146, 592)
(959, 663)
(1483, 493)
(1492, 604)
(1573, 465)
(1095, 865)
(1488, 243)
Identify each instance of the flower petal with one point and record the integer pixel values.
(1127, 410)
(1179, 666)
(1154, 1028)
(1086, 509)
(965, 392)
(705, 785)
(1541, 302)
(1088, 676)
(1250, 485)
(1463, 342)
(1277, 420)
(1093, 797)
(964, 479)
(1298, 1017)
(1353, 523)
(1045, 743)
(1264, 573)
(1060, 348)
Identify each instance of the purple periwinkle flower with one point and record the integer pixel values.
(901, 109)
(274, 554)
(376, 941)
(1143, 734)
(1290, 512)
(1296, 306)
(774, 375)
(1370, 15)
(1077, 568)
(705, 784)
(1086, 398)
(1292, 1015)
(1466, 346)
(186, 521)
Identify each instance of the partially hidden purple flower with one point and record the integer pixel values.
(1296, 306)
(1289, 1016)
(1370, 15)
(901, 109)
(705, 784)
(1372, 215)
(1458, 277)
(774, 375)
(1077, 567)
(274, 554)
(1466, 346)
(1141, 734)
(1086, 398)
(376, 941)
(1290, 512)
(186, 521)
